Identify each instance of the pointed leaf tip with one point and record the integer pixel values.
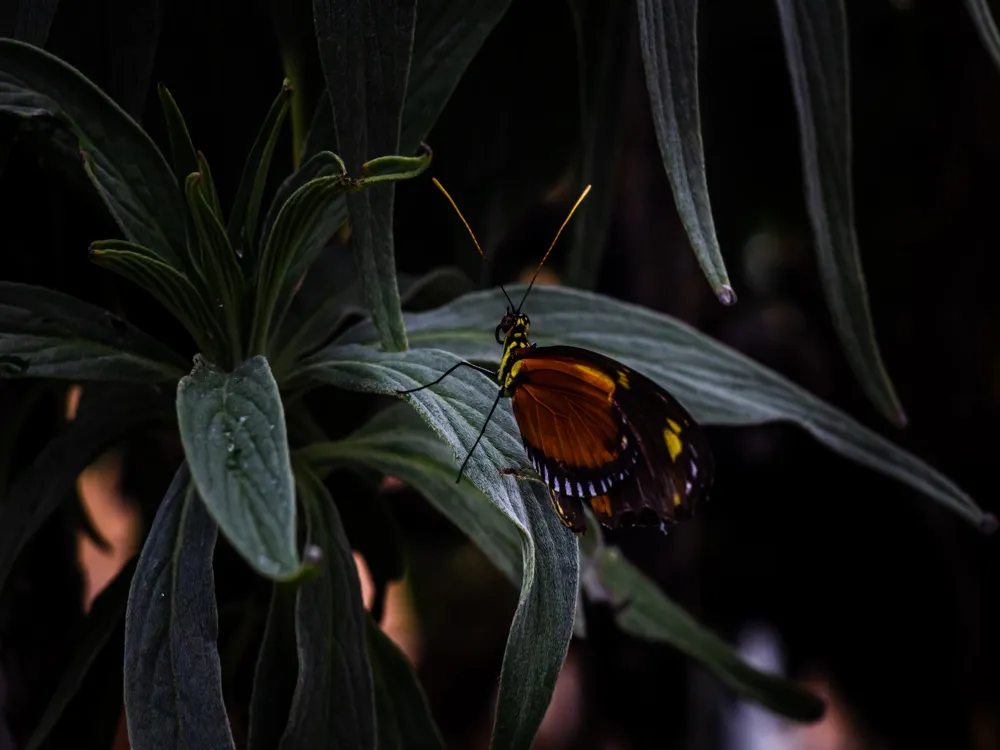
(726, 295)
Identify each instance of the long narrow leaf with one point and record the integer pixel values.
(404, 718)
(365, 49)
(44, 333)
(173, 679)
(718, 384)
(815, 35)
(334, 701)
(986, 27)
(182, 150)
(242, 226)
(127, 168)
(668, 33)
(172, 288)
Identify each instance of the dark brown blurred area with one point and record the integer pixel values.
(879, 598)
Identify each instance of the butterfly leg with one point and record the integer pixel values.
(449, 371)
(481, 433)
(511, 472)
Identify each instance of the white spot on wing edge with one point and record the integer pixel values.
(590, 486)
(569, 488)
(579, 489)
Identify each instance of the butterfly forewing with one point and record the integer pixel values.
(599, 432)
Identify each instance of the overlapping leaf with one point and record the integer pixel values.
(718, 384)
(44, 333)
(127, 168)
(543, 622)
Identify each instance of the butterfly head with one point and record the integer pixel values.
(513, 328)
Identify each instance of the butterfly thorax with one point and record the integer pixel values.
(515, 342)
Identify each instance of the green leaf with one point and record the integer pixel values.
(446, 38)
(233, 429)
(182, 150)
(102, 620)
(334, 704)
(646, 613)
(396, 442)
(171, 287)
(104, 417)
(365, 50)
(127, 168)
(323, 164)
(603, 47)
(716, 383)
(276, 672)
(815, 37)
(302, 228)
(404, 716)
(173, 679)
(242, 227)
(47, 334)
(986, 27)
(216, 260)
(668, 33)
(393, 168)
(456, 409)
(207, 185)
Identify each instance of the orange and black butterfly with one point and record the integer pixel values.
(594, 430)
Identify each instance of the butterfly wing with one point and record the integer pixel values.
(597, 431)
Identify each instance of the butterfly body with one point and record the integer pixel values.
(598, 432)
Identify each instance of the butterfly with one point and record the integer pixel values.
(596, 432)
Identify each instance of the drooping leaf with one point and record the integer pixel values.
(173, 679)
(396, 442)
(404, 717)
(276, 672)
(604, 49)
(365, 50)
(103, 418)
(182, 150)
(456, 410)
(242, 226)
(986, 27)
(646, 613)
(232, 427)
(127, 168)
(172, 288)
(815, 36)
(716, 383)
(668, 34)
(48, 334)
(334, 704)
(104, 617)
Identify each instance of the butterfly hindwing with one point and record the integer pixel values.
(599, 432)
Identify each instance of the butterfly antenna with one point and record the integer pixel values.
(482, 432)
(471, 233)
(544, 257)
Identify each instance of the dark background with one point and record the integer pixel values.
(878, 593)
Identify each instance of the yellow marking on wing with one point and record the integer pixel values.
(559, 511)
(601, 505)
(623, 379)
(674, 426)
(677, 498)
(674, 444)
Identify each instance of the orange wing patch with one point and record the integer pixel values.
(564, 410)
